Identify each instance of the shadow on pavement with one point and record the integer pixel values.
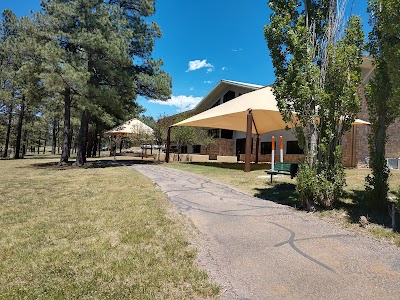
(282, 193)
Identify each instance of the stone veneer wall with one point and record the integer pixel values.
(361, 150)
(393, 143)
(223, 147)
(267, 157)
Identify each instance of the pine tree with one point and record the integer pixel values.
(113, 43)
(9, 68)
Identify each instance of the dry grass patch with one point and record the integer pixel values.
(101, 232)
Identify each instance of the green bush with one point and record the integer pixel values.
(321, 188)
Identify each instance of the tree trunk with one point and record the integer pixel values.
(45, 144)
(99, 146)
(95, 143)
(54, 137)
(311, 151)
(67, 127)
(25, 144)
(82, 139)
(313, 143)
(380, 170)
(5, 153)
(71, 142)
(58, 138)
(19, 128)
(89, 145)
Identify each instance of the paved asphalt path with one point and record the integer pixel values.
(257, 249)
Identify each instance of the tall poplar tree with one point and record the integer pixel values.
(382, 93)
(310, 45)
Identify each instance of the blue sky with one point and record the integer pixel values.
(204, 42)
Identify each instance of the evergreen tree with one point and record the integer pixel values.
(27, 80)
(114, 43)
(9, 68)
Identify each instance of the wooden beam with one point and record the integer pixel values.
(168, 145)
(247, 156)
(257, 147)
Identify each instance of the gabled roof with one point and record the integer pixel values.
(206, 102)
(132, 126)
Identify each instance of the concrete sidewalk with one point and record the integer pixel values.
(256, 249)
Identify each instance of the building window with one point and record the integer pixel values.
(196, 149)
(292, 147)
(266, 147)
(226, 134)
(241, 146)
(214, 133)
(184, 149)
(229, 96)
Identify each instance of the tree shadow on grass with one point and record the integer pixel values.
(353, 202)
(282, 193)
(358, 206)
(93, 164)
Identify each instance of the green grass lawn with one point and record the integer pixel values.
(99, 232)
(283, 190)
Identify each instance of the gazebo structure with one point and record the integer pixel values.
(130, 128)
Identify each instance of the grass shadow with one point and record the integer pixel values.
(358, 206)
(93, 164)
(111, 163)
(282, 193)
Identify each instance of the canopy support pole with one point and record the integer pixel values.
(247, 156)
(168, 144)
(257, 147)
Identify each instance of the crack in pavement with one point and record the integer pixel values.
(242, 232)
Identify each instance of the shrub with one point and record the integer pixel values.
(321, 188)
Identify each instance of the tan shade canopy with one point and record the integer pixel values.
(232, 115)
(133, 126)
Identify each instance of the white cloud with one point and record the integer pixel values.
(237, 50)
(207, 81)
(198, 64)
(224, 68)
(191, 88)
(183, 103)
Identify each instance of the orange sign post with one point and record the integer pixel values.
(273, 153)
